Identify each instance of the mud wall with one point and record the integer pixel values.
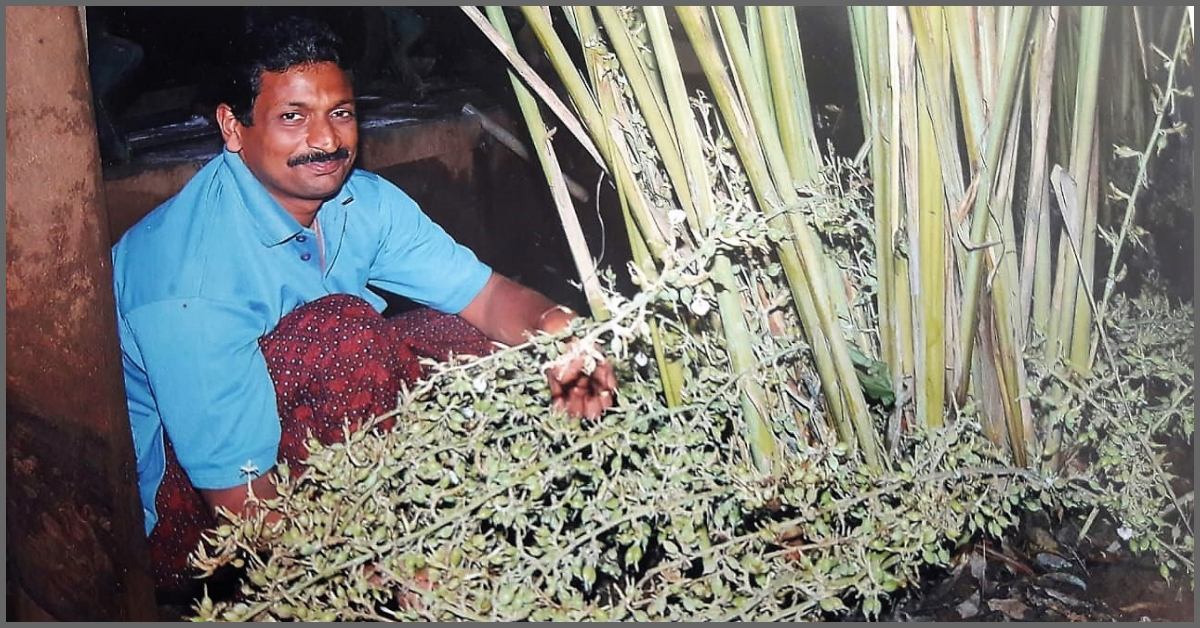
(75, 545)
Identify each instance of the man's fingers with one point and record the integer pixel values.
(569, 370)
(576, 396)
(605, 398)
(596, 405)
(606, 378)
(582, 391)
(556, 387)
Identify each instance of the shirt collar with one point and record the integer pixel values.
(272, 222)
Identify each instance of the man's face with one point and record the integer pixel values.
(304, 138)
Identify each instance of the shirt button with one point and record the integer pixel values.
(302, 238)
(306, 256)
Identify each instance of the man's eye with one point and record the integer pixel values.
(343, 113)
(290, 116)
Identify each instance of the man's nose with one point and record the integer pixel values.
(322, 135)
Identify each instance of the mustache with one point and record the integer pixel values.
(318, 156)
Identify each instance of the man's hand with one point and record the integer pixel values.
(582, 382)
(235, 499)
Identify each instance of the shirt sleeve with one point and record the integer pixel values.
(210, 381)
(419, 260)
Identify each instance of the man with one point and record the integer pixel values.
(245, 318)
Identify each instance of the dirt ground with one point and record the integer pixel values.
(1054, 570)
(1047, 574)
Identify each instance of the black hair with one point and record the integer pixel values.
(276, 46)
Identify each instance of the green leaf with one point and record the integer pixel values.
(633, 555)
(831, 604)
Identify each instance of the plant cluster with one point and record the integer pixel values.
(482, 504)
(1137, 405)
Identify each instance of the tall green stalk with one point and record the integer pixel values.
(764, 171)
(1084, 146)
(788, 89)
(961, 26)
(584, 264)
(576, 87)
(872, 45)
(754, 39)
(927, 210)
(535, 82)
(693, 184)
(652, 101)
(764, 121)
(1034, 293)
(651, 104)
(755, 409)
(988, 172)
(930, 26)
(898, 228)
(1072, 247)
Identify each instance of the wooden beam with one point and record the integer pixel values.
(74, 524)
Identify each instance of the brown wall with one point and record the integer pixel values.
(76, 547)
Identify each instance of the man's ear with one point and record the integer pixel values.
(231, 129)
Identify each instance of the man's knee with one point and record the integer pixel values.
(331, 312)
(437, 335)
(337, 306)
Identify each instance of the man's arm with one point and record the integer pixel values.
(508, 312)
(210, 387)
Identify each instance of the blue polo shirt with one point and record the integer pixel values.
(205, 275)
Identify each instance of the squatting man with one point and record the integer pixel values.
(244, 313)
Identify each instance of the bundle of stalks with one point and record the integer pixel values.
(982, 124)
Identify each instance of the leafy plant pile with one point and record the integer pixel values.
(1130, 422)
(481, 504)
